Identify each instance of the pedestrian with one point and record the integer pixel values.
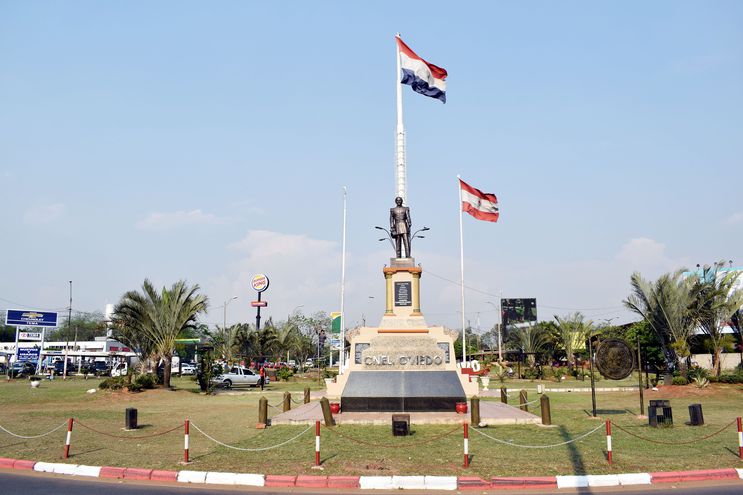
(263, 376)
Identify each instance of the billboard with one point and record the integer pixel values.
(30, 318)
(28, 354)
(518, 312)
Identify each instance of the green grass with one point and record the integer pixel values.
(361, 450)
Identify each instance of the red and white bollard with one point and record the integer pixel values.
(185, 441)
(317, 443)
(69, 437)
(608, 441)
(740, 438)
(466, 445)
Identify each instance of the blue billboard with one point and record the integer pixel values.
(30, 318)
(28, 354)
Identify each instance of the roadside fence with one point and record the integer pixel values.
(187, 424)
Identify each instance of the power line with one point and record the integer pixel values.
(473, 289)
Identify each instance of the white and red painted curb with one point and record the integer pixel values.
(372, 482)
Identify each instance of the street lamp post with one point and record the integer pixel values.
(288, 321)
(224, 319)
(500, 331)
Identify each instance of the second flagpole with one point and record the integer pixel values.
(461, 265)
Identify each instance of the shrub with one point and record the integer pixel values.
(135, 387)
(113, 383)
(697, 373)
(285, 374)
(326, 373)
(531, 373)
(679, 380)
(145, 380)
(728, 378)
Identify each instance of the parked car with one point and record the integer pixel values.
(188, 369)
(119, 369)
(59, 368)
(20, 369)
(238, 376)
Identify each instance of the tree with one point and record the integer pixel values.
(571, 333)
(715, 302)
(666, 305)
(225, 342)
(82, 327)
(531, 340)
(159, 317)
(287, 338)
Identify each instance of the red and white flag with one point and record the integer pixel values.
(483, 206)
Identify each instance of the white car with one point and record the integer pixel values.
(238, 377)
(188, 369)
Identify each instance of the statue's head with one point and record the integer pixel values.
(398, 201)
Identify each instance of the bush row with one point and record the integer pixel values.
(139, 383)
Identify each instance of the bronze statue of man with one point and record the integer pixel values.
(400, 227)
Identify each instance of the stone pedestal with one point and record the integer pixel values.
(403, 364)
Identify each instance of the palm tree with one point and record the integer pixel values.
(159, 317)
(224, 340)
(666, 305)
(286, 339)
(532, 340)
(571, 333)
(716, 301)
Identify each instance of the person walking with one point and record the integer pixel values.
(262, 373)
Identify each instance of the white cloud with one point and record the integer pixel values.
(735, 218)
(302, 271)
(177, 219)
(43, 214)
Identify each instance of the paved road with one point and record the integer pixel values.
(28, 483)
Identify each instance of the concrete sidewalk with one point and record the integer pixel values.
(491, 413)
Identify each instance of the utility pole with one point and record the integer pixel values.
(67, 337)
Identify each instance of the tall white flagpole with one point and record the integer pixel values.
(400, 173)
(461, 265)
(342, 357)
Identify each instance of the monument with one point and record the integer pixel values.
(403, 365)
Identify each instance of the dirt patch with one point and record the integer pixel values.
(684, 391)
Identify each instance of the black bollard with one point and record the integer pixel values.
(130, 418)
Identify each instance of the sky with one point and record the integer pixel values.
(210, 141)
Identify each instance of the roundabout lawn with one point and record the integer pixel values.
(98, 437)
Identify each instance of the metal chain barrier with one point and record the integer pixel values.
(661, 442)
(415, 444)
(243, 449)
(125, 437)
(528, 403)
(505, 442)
(33, 436)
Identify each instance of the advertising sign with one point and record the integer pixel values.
(335, 322)
(517, 312)
(29, 335)
(259, 282)
(30, 318)
(28, 354)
